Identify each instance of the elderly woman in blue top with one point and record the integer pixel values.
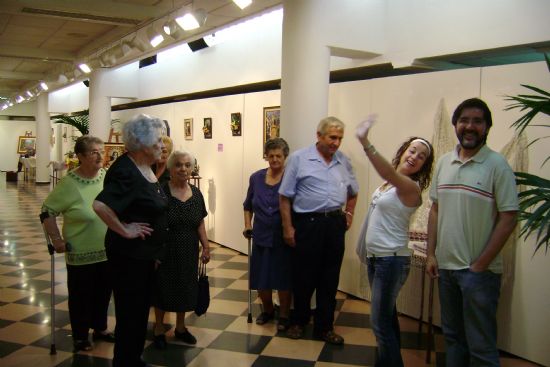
(87, 276)
(134, 207)
(270, 261)
(383, 242)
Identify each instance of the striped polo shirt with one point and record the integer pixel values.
(469, 196)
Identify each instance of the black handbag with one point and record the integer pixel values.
(203, 293)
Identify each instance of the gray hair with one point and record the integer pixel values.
(277, 143)
(329, 122)
(84, 143)
(141, 131)
(179, 154)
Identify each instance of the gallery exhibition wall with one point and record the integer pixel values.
(406, 105)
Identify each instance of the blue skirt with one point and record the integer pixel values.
(270, 268)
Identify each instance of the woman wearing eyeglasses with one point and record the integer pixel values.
(87, 279)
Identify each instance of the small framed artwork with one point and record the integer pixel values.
(112, 152)
(26, 144)
(207, 128)
(188, 128)
(236, 124)
(272, 122)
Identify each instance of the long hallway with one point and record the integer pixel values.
(224, 336)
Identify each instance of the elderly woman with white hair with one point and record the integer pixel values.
(134, 207)
(176, 287)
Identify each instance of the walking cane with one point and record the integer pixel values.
(248, 235)
(51, 250)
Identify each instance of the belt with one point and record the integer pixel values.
(404, 251)
(324, 214)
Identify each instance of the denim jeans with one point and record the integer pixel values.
(468, 316)
(386, 277)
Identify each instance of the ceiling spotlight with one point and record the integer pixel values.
(85, 68)
(30, 94)
(138, 43)
(19, 99)
(126, 48)
(154, 37)
(62, 79)
(44, 86)
(192, 20)
(171, 28)
(242, 3)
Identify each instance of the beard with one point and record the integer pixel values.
(473, 142)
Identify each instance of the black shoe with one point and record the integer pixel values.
(107, 337)
(159, 341)
(264, 318)
(185, 337)
(79, 345)
(283, 324)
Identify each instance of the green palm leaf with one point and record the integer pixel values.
(80, 121)
(534, 202)
(534, 208)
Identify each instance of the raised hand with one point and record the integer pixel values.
(362, 129)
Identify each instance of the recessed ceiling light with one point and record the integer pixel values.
(192, 20)
(242, 3)
(85, 68)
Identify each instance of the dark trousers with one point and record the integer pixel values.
(132, 285)
(89, 295)
(316, 261)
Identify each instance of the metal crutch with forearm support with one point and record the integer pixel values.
(51, 250)
(248, 235)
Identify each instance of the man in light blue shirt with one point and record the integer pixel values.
(318, 182)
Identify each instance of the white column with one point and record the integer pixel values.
(305, 73)
(100, 104)
(43, 132)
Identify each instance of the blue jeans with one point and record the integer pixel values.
(468, 317)
(386, 277)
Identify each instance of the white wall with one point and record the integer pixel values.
(10, 131)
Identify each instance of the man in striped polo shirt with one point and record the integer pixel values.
(473, 213)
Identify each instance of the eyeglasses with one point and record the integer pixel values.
(97, 152)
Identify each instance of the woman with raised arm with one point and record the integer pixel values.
(383, 242)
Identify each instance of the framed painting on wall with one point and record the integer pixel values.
(272, 123)
(188, 129)
(112, 152)
(207, 128)
(236, 124)
(26, 144)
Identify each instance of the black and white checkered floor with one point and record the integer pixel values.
(224, 336)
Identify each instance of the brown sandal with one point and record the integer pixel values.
(331, 337)
(295, 332)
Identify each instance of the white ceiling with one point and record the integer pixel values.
(39, 39)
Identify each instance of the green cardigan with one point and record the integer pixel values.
(82, 228)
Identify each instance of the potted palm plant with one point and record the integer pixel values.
(80, 121)
(534, 202)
